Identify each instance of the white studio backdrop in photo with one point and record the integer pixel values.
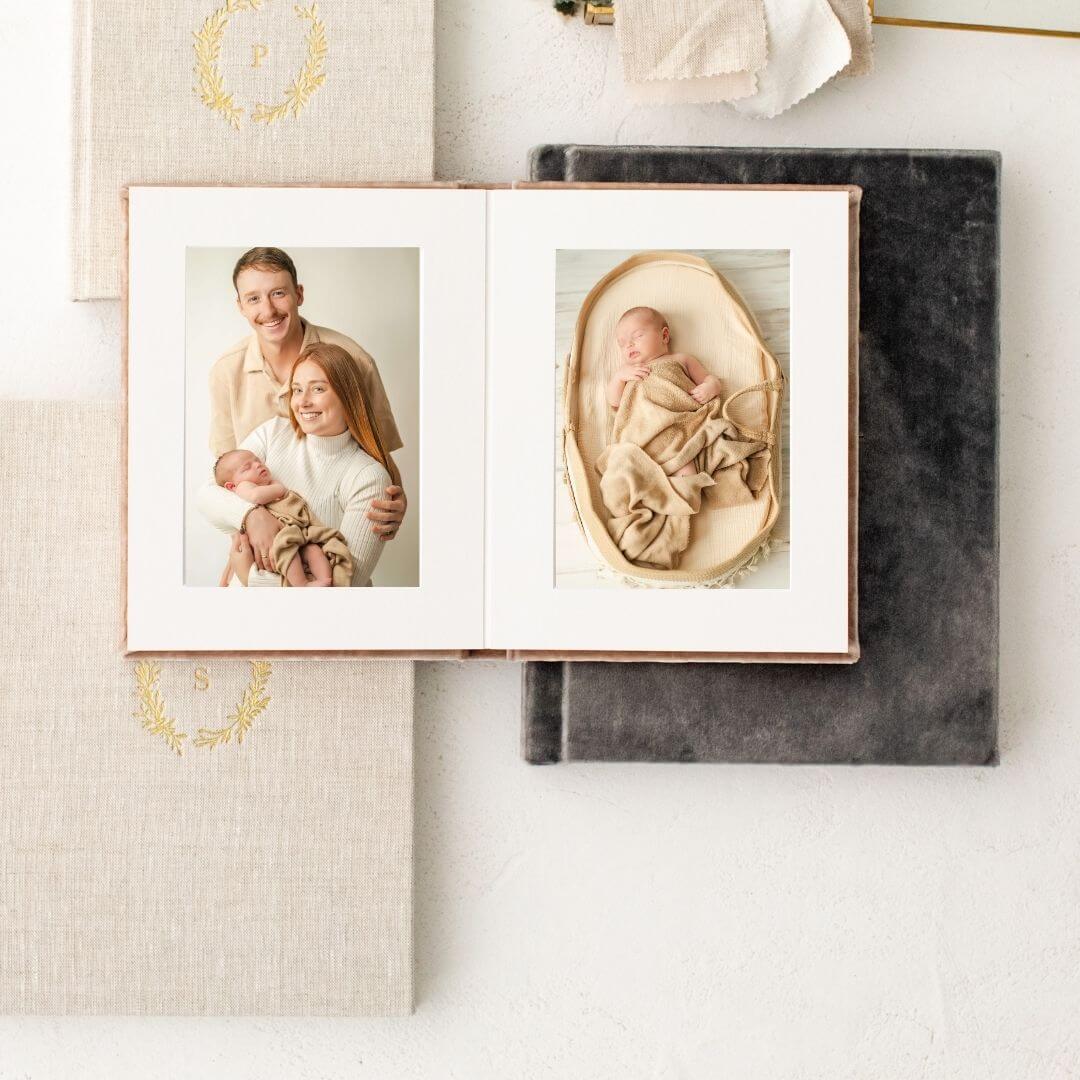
(371, 295)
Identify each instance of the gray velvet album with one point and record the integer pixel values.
(925, 690)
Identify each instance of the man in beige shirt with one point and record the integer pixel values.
(249, 383)
(245, 391)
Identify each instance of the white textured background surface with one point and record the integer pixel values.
(683, 922)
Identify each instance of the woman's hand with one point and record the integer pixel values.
(387, 514)
(261, 527)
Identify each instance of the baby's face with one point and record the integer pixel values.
(641, 338)
(245, 466)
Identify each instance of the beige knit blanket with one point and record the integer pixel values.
(300, 527)
(658, 429)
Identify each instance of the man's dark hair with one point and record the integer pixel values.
(264, 258)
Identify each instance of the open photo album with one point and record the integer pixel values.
(531, 421)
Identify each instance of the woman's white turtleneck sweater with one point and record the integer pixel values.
(336, 478)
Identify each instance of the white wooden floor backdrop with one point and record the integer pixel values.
(761, 279)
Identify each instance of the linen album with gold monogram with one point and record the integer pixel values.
(261, 91)
(541, 420)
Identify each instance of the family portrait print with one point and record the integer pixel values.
(301, 393)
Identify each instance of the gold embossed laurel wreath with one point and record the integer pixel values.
(155, 717)
(211, 86)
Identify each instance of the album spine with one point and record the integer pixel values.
(542, 682)
(542, 708)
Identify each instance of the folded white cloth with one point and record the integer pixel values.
(854, 16)
(807, 47)
(764, 55)
(691, 51)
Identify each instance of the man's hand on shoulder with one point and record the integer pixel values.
(387, 514)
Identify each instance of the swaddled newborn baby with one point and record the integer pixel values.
(643, 337)
(669, 444)
(304, 545)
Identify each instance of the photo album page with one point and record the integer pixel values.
(550, 420)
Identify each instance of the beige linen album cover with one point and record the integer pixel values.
(221, 837)
(240, 91)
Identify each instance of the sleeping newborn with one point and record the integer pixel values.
(643, 337)
(669, 444)
(304, 546)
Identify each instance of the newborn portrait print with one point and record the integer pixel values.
(672, 415)
(301, 397)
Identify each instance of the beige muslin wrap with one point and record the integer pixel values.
(300, 527)
(658, 429)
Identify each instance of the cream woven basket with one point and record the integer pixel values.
(708, 320)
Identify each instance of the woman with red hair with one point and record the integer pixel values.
(328, 451)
